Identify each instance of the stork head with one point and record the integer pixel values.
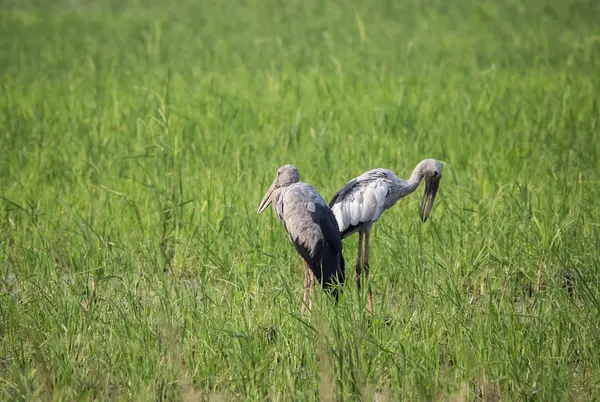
(432, 174)
(286, 175)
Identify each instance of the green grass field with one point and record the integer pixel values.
(137, 139)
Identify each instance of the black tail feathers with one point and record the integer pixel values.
(335, 281)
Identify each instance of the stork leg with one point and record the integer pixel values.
(312, 280)
(308, 282)
(366, 263)
(359, 259)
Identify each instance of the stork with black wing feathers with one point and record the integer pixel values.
(311, 227)
(362, 201)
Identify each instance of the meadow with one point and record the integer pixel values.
(137, 139)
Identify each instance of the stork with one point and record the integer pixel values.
(361, 202)
(311, 227)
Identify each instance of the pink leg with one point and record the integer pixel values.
(359, 259)
(369, 294)
(308, 281)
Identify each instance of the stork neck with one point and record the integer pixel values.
(410, 185)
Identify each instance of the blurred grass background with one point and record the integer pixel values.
(137, 139)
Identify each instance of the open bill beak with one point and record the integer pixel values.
(266, 201)
(431, 188)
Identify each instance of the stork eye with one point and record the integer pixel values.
(435, 173)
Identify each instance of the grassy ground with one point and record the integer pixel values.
(137, 139)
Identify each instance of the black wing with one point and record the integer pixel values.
(347, 189)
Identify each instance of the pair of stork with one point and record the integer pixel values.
(317, 229)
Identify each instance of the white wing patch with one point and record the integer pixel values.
(339, 215)
(369, 205)
(380, 193)
(372, 201)
(364, 205)
(354, 209)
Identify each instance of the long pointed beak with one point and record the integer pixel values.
(266, 201)
(431, 188)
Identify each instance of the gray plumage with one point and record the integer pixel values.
(362, 201)
(310, 224)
